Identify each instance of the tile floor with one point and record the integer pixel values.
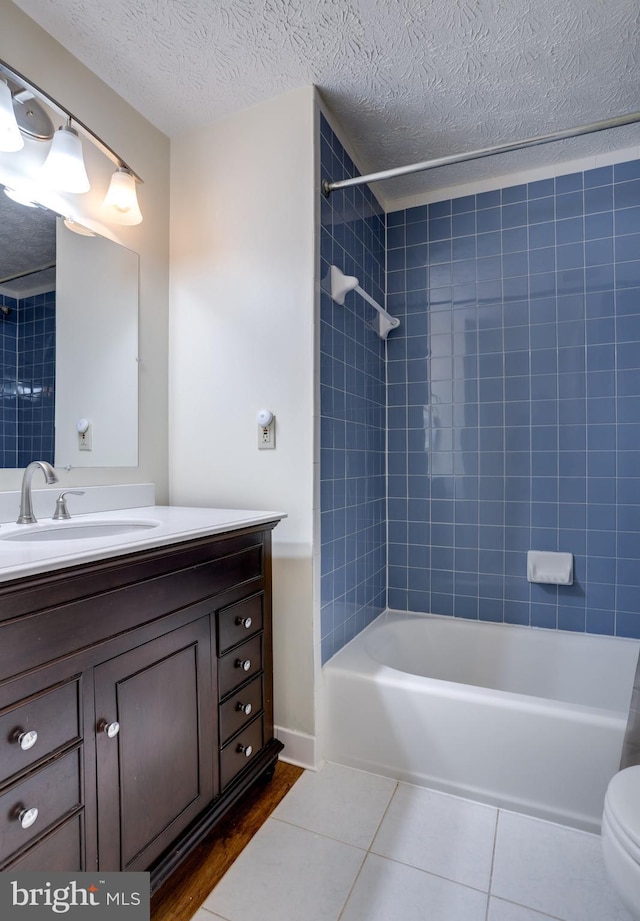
(345, 845)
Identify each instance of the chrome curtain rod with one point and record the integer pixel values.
(618, 121)
(40, 268)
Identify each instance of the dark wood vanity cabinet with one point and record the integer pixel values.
(155, 776)
(135, 703)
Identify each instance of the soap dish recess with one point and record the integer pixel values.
(550, 567)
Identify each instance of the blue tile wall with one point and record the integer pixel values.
(8, 405)
(514, 401)
(353, 405)
(36, 379)
(27, 408)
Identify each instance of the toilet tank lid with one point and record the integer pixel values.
(622, 801)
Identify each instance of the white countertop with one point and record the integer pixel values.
(171, 525)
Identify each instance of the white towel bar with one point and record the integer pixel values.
(341, 284)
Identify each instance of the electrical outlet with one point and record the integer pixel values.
(267, 436)
(84, 440)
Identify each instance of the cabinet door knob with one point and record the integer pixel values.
(26, 740)
(245, 708)
(246, 750)
(27, 817)
(111, 729)
(244, 664)
(244, 622)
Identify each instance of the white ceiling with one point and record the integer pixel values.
(408, 80)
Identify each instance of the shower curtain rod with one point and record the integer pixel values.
(618, 121)
(42, 268)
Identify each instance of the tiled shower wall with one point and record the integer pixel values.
(27, 352)
(36, 378)
(352, 407)
(9, 359)
(514, 401)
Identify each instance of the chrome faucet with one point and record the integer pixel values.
(26, 515)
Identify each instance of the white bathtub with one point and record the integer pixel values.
(529, 719)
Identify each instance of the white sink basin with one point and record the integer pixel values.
(77, 530)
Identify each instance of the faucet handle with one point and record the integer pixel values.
(62, 512)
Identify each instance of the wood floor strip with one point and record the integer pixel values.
(183, 893)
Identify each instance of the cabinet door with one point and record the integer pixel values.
(155, 765)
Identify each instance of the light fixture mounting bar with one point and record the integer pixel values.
(16, 77)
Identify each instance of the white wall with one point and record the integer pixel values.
(26, 48)
(242, 338)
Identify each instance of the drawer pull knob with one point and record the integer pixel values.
(244, 622)
(245, 708)
(246, 750)
(244, 664)
(26, 740)
(111, 729)
(27, 817)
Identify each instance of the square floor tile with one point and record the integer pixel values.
(285, 874)
(442, 834)
(339, 802)
(553, 869)
(389, 891)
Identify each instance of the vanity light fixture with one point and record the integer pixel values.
(25, 107)
(10, 138)
(64, 167)
(121, 200)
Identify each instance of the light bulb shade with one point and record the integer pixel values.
(10, 137)
(121, 201)
(64, 167)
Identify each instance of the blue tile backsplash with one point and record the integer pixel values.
(27, 340)
(512, 403)
(353, 403)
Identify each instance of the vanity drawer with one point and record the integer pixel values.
(53, 715)
(60, 852)
(239, 665)
(54, 791)
(240, 708)
(239, 621)
(238, 753)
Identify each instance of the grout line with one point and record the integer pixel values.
(317, 834)
(447, 879)
(533, 911)
(353, 885)
(211, 913)
(493, 859)
(367, 852)
(383, 817)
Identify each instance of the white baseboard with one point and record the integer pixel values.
(299, 748)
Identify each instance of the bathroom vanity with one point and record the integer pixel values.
(135, 688)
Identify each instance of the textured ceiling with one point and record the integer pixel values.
(408, 79)
(27, 243)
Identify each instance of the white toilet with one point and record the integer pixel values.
(621, 837)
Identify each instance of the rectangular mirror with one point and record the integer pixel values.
(68, 343)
